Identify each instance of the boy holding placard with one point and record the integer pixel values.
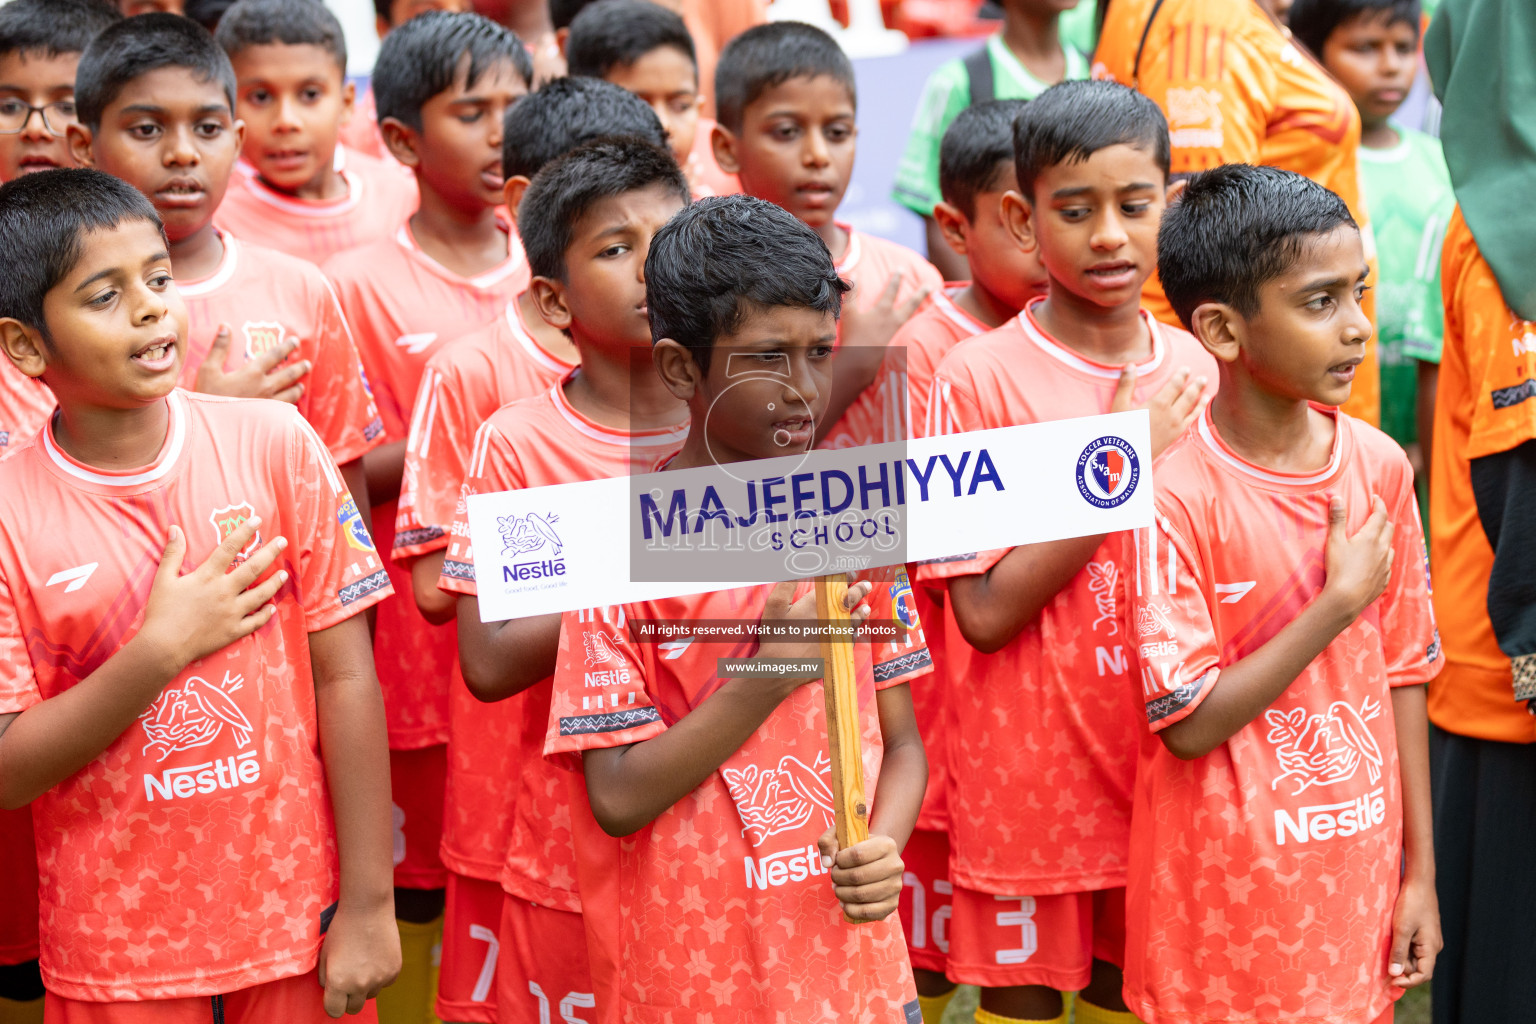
(1287, 636)
(744, 303)
(588, 217)
(1040, 815)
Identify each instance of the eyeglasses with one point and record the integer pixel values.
(57, 116)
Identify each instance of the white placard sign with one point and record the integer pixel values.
(571, 546)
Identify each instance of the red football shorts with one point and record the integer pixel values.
(18, 899)
(296, 1000)
(925, 899)
(1001, 941)
(416, 780)
(542, 973)
(466, 986)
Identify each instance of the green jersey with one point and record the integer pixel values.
(947, 93)
(1408, 193)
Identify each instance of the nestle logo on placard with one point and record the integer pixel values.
(781, 868)
(532, 570)
(523, 535)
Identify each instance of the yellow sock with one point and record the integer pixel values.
(1091, 1013)
(933, 1007)
(988, 1017)
(409, 1000)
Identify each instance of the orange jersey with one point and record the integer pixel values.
(895, 405)
(723, 908)
(1236, 89)
(535, 443)
(403, 305)
(1041, 798)
(463, 385)
(25, 404)
(1264, 874)
(380, 196)
(265, 298)
(196, 854)
(1486, 405)
(705, 178)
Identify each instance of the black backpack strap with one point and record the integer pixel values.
(978, 72)
(1145, 31)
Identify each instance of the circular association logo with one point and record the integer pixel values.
(1107, 472)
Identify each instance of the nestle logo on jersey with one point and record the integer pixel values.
(781, 868)
(1320, 822)
(225, 773)
(608, 677)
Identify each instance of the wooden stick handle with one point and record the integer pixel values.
(841, 686)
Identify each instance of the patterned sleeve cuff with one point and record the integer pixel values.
(1524, 667)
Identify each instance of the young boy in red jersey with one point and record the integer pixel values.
(156, 101)
(517, 356)
(40, 46)
(1283, 608)
(1040, 794)
(199, 854)
(361, 133)
(645, 48)
(786, 100)
(589, 217)
(298, 190)
(699, 940)
(443, 83)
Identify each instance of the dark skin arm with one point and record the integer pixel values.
(385, 467)
(501, 659)
(361, 952)
(187, 617)
(1424, 409)
(1357, 571)
(631, 786)
(866, 877)
(1416, 938)
(436, 605)
(993, 607)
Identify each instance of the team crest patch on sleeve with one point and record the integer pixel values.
(902, 665)
(352, 525)
(262, 336)
(353, 592)
(613, 721)
(902, 601)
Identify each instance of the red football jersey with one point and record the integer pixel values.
(1264, 874)
(196, 854)
(25, 404)
(722, 905)
(403, 305)
(1042, 784)
(895, 405)
(534, 443)
(463, 385)
(18, 910)
(380, 196)
(265, 297)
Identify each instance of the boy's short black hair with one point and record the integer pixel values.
(289, 22)
(616, 33)
(566, 112)
(1313, 21)
(1235, 228)
(724, 257)
(134, 47)
(1071, 121)
(977, 152)
(563, 192)
(766, 56)
(207, 12)
(563, 12)
(44, 218)
(421, 59)
(52, 28)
